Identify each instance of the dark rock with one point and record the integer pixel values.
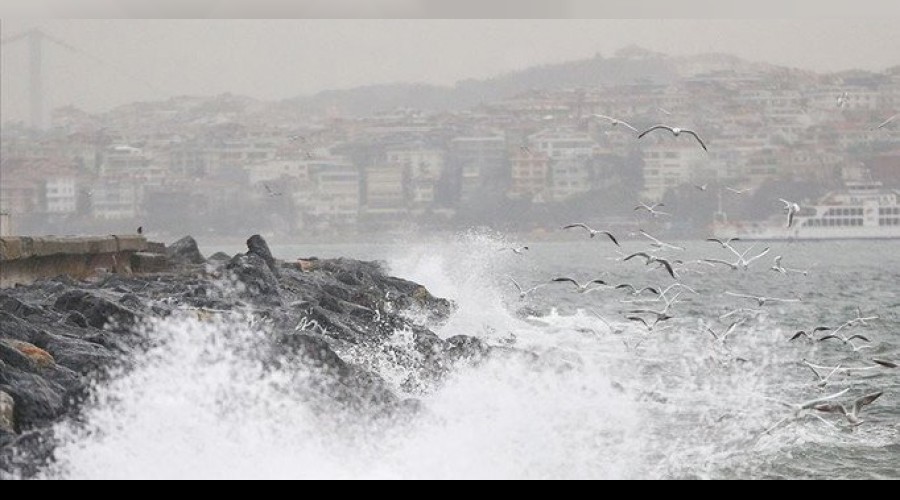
(185, 252)
(38, 401)
(99, 312)
(75, 318)
(258, 246)
(220, 257)
(16, 307)
(253, 272)
(464, 348)
(80, 356)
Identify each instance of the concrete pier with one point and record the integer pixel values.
(24, 260)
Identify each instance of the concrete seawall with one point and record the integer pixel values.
(24, 260)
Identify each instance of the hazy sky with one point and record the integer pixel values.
(271, 59)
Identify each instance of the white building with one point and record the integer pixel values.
(423, 169)
(115, 200)
(335, 197)
(563, 143)
(61, 195)
(482, 164)
(669, 165)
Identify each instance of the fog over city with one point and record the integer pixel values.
(345, 247)
(335, 128)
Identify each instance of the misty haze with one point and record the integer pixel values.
(732, 188)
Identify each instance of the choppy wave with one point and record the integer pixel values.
(201, 405)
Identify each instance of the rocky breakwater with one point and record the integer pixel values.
(60, 336)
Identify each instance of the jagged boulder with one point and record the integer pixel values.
(185, 252)
(251, 271)
(257, 246)
(99, 312)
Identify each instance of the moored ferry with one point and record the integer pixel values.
(863, 210)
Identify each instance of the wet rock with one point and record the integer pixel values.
(219, 257)
(254, 274)
(464, 348)
(185, 252)
(99, 312)
(258, 246)
(38, 356)
(7, 413)
(38, 401)
(75, 318)
(59, 336)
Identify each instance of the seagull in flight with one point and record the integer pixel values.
(701, 187)
(724, 243)
(843, 100)
(635, 291)
(887, 122)
(846, 340)
(582, 288)
(659, 244)
(778, 268)
(858, 320)
(271, 192)
(651, 259)
(803, 333)
(762, 301)
(850, 413)
(523, 293)
(615, 122)
(738, 191)
(792, 209)
(517, 251)
(593, 233)
(616, 330)
(742, 262)
(723, 337)
(676, 132)
(649, 325)
(651, 209)
(821, 381)
(798, 408)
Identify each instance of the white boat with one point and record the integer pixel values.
(864, 210)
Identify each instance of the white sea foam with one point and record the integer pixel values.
(200, 405)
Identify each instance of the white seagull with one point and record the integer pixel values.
(701, 187)
(792, 209)
(742, 261)
(851, 413)
(799, 408)
(659, 244)
(593, 232)
(651, 209)
(523, 293)
(616, 122)
(762, 301)
(723, 337)
(585, 288)
(821, 381)
(724, 243)
(803, 333)
(676, 132)
(616, 330)
(517, 251)
(887, 122)
(271, 191)
(651, 259)
(738, 191)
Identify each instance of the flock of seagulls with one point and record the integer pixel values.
(660, 257)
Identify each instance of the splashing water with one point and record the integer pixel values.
(201, 405)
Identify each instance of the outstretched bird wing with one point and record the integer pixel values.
(696, 136)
